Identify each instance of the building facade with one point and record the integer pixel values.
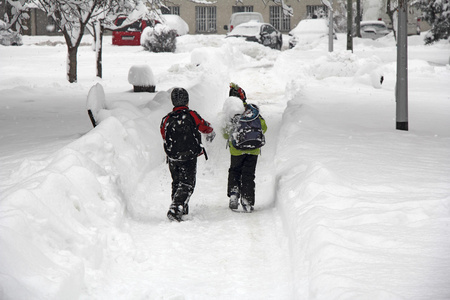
(211, 18)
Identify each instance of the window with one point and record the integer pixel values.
(279, 20)
(170, 10)
(242, 8)
(205, 19)
(318, 11)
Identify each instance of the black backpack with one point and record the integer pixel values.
(183, 140)
(247, 132)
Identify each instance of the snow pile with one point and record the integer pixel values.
(65, 229)
(366, 210)
(176, 23)
(141, 75)
(338, 63)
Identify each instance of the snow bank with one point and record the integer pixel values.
(51, 229)
(365, 210)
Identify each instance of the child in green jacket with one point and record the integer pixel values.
(241, 174)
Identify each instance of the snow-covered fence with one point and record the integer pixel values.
(96, 101)
(142, 79)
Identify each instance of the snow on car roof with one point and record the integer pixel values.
(311, 26)
(373, 22)
(249, 28)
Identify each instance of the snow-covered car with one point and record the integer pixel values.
(129, 35)
(309, 30)
(9, 37)
(243, 17)
(177, 23)
(262, 33)
(373, 29)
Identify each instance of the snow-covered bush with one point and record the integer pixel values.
(159, 39)
(142, 79)
(9, 37)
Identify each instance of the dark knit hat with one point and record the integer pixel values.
(180, 97)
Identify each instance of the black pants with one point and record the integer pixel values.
(183, 180)
(241, 177)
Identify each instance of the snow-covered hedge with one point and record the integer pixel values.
(159, 39)
(9, 37)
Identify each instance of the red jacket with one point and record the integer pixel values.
(202, 125)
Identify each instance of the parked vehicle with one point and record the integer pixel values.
(243, 17)
(373, 29)
(177, 23)
(308, 31)
(9, 37)
(262, 33)
(129, 35)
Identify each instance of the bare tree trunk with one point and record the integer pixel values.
(358, 18)
(349, 25)
(72, 63)
(98, 37)
(390, 13)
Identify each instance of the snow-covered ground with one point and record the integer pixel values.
(347, 206)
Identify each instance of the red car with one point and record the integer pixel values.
(129, 35)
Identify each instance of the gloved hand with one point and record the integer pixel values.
(210, 136)
(237, 91)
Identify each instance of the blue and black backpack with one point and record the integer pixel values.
(247, 133)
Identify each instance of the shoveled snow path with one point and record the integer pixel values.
(244, 256)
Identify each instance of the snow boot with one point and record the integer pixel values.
(175, 213)
(234, 203)
(246, 205)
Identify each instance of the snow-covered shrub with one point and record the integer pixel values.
(9, 37)
(142, 79)
(159, 39)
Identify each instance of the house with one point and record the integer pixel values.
(207, 18)
(211, 18)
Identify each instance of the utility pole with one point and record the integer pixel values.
(358, 18)
(349, 25)
(401, 91)
(329, 4)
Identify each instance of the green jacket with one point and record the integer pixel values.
(236, 152)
